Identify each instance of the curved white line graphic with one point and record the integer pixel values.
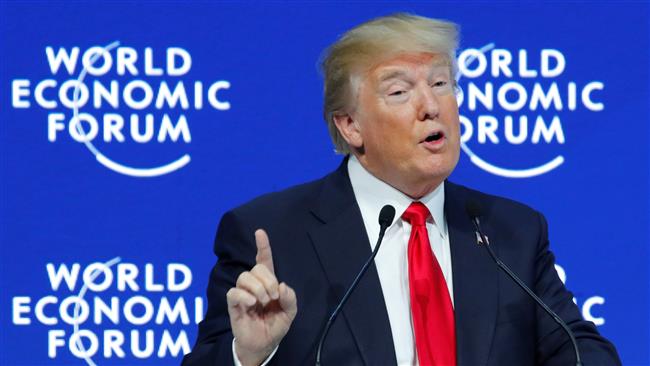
(101, 158)
(512, 173)
(497, 170)
(77, 308)
(140, 172)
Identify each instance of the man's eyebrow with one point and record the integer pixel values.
(396, 74)
(392, 74)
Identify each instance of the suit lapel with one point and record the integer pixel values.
(342, 245)
(474, 280)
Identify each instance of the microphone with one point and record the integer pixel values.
(473, 209)
(386, 216)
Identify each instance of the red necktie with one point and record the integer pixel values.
(433, 314)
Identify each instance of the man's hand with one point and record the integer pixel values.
(260, 309)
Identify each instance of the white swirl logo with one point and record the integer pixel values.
(139, 94)
(116, 309)
(536, 90)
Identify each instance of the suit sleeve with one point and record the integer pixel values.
(554, 346)
(235, 248)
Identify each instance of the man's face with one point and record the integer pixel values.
(407, 121)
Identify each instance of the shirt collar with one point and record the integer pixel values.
(373, 194)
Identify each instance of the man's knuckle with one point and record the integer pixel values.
(258, 269)
(243, 279)
(258, 288)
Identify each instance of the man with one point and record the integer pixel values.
(433, 296)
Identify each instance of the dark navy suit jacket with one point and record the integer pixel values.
(319, 244)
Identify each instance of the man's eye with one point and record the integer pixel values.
(440, 83)
(397, 92)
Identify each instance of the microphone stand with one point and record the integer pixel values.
(520, 283)
(385, 219)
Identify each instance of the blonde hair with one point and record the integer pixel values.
(364, 46)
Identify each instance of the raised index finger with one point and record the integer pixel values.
(264, 255)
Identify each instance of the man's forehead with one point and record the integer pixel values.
(401, 64)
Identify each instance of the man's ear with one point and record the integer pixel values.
(349, 128)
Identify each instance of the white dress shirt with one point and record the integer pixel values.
(391, 261)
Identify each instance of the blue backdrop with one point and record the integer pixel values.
(107, 224)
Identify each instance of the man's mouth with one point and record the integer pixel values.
(436, 136)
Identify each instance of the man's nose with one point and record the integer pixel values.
(428, 106)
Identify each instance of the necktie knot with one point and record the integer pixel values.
(416, 214)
